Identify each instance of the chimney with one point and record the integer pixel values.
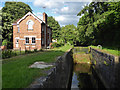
(45, 17)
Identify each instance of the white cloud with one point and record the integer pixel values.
(64, 9)
(1, 8)
(39, 15)
(67, 19)
(59, 18)
(47, 3)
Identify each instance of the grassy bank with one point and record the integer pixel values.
(16, 72)
(80, 56)
(110, 50)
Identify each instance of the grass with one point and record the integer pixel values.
(110, 50)
(80, 56)
(16, 72)
(64, 48)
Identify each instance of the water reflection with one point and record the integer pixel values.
(81, 76)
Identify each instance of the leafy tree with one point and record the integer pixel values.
(10, 13)
(55, 27)
(68, 34)
(99, 24)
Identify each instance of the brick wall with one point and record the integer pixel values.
(23, 27)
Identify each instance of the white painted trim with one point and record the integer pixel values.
(17, 37)
(30, 36)
(30, 20)
(22, 39)
(26, 46)
(29, 13)
(38, 38)
(17, 25)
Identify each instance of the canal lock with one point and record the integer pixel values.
(83, 75)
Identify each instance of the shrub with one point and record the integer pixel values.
(8, 53)
(35, 50)
(5, 42)
(57, 44)
(28, 51)
(41, 50)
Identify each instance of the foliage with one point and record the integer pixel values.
(57, 44)
(68, 34)
(99, 24)
(28, 51)
(8, 53)
(55, 27)
(11, 12)
(5, 41)
(35, 50)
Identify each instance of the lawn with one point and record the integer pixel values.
(110, 50)
(16, 72)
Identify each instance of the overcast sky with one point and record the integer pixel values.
(64, 11)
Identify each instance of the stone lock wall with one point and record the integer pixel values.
(59, 76)
(107, 67)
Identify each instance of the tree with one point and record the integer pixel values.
(55, 27)
(99, 24)
(10, 13)
(68, 34)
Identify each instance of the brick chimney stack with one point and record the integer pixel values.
(45, 17)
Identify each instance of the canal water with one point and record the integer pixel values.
(85, 77)
(81, 76)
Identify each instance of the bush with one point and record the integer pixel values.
(41, 50)
(8, 53)
(35, 50)
(5, 42)
(57, 44)
(28, 51)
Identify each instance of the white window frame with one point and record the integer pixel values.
(26, 40)
(34, 40)
(30, 24)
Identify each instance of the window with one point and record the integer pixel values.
(42, 42)
(33, 39)
(17, 41)
(18, 29)
(27, 40)
(30, 24)
(42, 29)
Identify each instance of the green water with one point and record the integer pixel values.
(85, 77)
(81, 76)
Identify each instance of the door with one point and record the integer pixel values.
(17, 44)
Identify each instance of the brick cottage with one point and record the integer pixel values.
(31, 33)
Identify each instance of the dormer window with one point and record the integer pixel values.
(30, 24)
